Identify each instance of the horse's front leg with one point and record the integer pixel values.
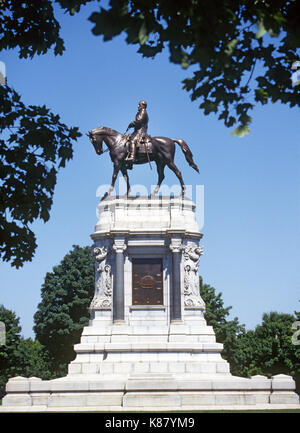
(113, 181)
(126, 177)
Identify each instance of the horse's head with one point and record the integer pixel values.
(96, 140)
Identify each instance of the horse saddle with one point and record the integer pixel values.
(144, 145)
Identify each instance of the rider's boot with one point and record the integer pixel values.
(131, 157)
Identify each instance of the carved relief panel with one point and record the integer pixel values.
(103, 280)
(191, 257)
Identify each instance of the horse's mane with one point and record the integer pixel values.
(101, 129)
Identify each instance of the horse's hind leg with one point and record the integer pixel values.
(161, 175)
(177, 172)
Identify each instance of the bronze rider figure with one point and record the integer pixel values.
(140, 125)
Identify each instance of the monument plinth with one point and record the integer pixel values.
(148, 345)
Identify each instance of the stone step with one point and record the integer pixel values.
(103, 368)
(155, 390)
(147, 338)
(184, 346)
(178, 329)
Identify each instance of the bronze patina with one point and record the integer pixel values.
(139, 148)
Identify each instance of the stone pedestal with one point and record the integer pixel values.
(148, 346)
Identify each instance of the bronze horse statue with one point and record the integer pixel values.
(161, 151)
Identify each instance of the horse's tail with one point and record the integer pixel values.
(187, 153)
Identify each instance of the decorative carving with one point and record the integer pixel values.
(147, 282)
(119, 246)
(103, 285)
(175, 245)
(100, 254)
(193, 253)
(192, 298)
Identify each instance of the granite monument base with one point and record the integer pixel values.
(148, 346)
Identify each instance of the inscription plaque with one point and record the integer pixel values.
(147, 281)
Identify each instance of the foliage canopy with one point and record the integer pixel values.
(240, 52)
(34, 144)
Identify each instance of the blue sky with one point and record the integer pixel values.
(251, 185)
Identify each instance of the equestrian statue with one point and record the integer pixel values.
(139, 148)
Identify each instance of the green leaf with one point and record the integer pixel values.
(260, 29)
(209, 106)
(261, 95)
(189, 83)
(185, 61)
(30, 156)
(231, 46)
(143, 36)
(241, 130)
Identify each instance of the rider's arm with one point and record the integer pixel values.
(141, 119)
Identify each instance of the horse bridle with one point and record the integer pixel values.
(90, 137)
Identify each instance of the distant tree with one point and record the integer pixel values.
(32, 359)
(268, 349)
(19, 356)
(227, 331)
(297, 347)
(64, 309)
(8, 352)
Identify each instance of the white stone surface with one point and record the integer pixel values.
(17, 383)
(282, 382)
(17, 400)
(203, 407)
(146, 215)
(148, 362)
(278, 397)
(154, 399)
(148, 390)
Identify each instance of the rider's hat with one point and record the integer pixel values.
(143, 104)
